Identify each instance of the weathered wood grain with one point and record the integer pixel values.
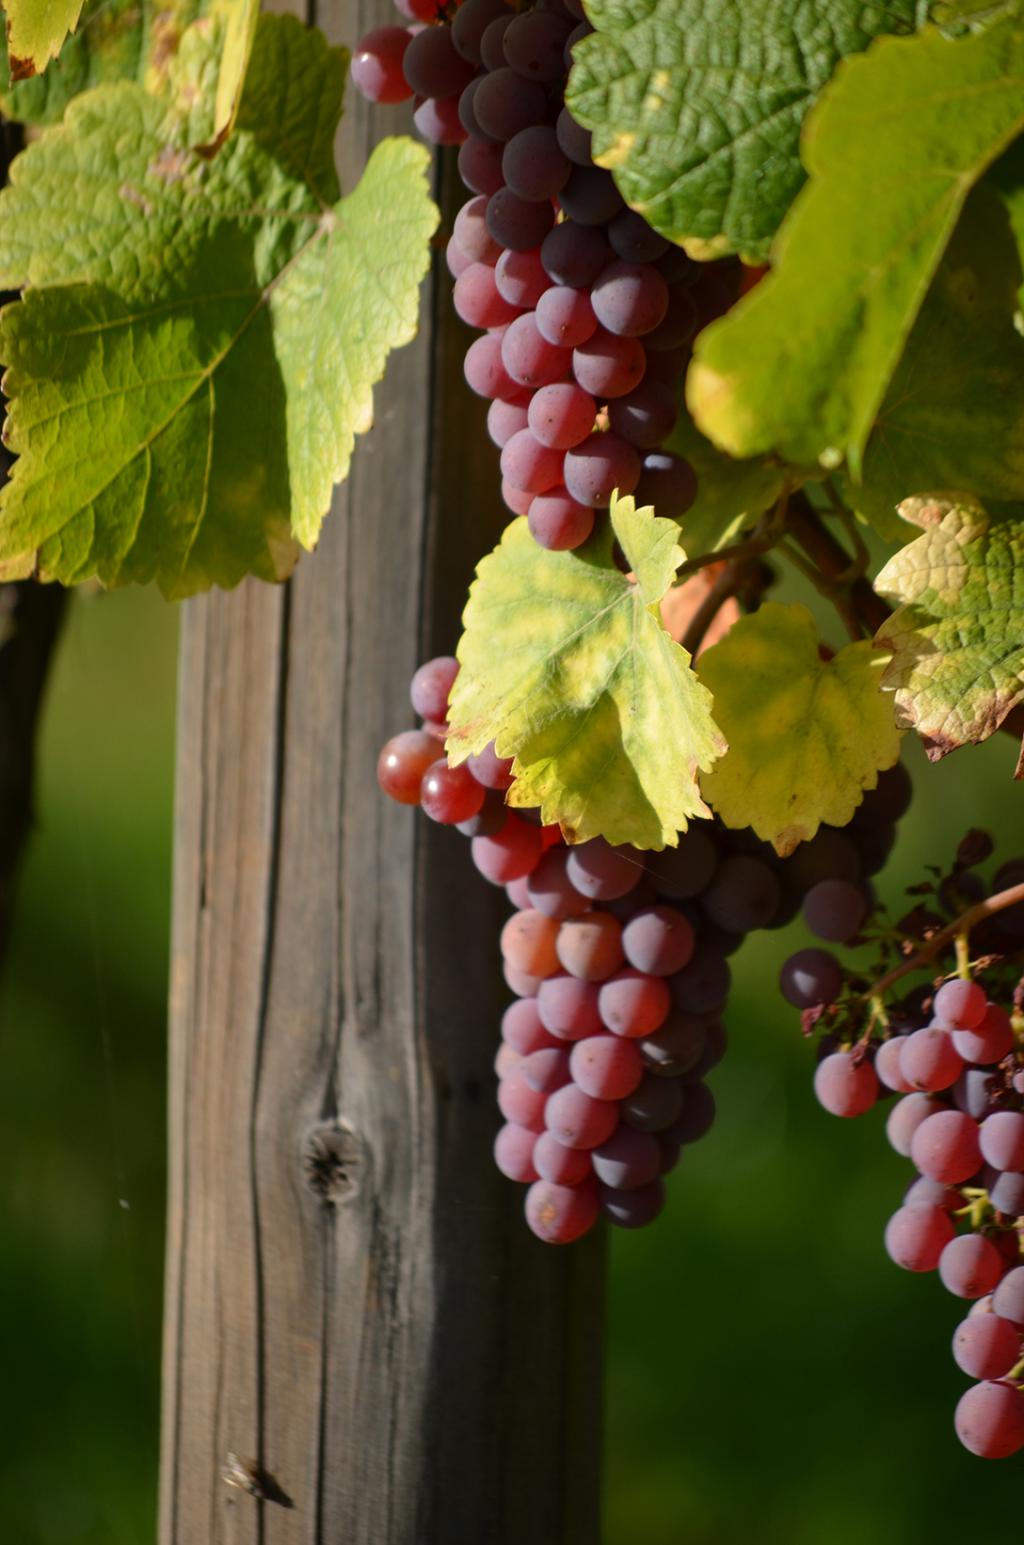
(355, 1309)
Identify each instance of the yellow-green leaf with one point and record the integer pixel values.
(567, 666)
(35, 31)
(806, 735)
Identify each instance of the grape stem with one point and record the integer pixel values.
(960, 926)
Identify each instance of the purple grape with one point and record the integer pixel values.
(534, 45)
(574, 254)
(574, 139)
(433, 67)
(973, 1092)
(676, 1047)
(655, 1105)
(743, 894)
(810, 977)
(533, 164)
(678, 324)
(628, 1159)
(632, 1209)
(520, 278)
(505, 104)
(480, 164)
(529, 464)
(600, 465)
(517, 223)
(828, 856)
(668, 482)
(471, 21)
(658, 940)
(682, 872)
(590, 197)
(630, 299)
(697, 1116)
(646, 416)
(703, 986)
(835, 910)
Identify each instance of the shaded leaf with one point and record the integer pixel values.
(806, 736)
(957, 640)
(567, 666)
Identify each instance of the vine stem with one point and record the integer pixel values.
(728, 584)
(961, 925)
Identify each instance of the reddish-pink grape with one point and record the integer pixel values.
(844, 1086)
(633, 1004)
(529, 358)
(960, 1004)
(915, 1237)
(547, 1070)
(887, 1065)
(565, 316)
(970, 1266)
(512, 852)
(528, 943)
(450, 794)
(504, 419)
(989, 1041)
(602, 872)
(990, 1420)
(590, 947)
(402, 763)
(520, 278)
(471, 233)
(1008, 1298)
(513, 1152)
(437, 119)
(485, 371)
(986, 1346)
(520, 1104)
(1002, 1139)
(630, 299)
(522, 1029)
(561, 415)
(431, 686)
(493, 771)
(905, 1118)
(609, 366)
(529, 464)
(560, 1214)
(558, 522)
(658, 940)
(578, 1120)
(607, 1067)
(568, 1007)
(559, 1164)
(945, 1147)
(600, 466)
(477, 300)
(551, 890)
(929, 1061)
(377, 65)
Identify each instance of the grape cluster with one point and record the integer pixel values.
(586, 314)
(618, 960)
(959, 1070)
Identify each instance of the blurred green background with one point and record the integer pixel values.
(771, 1376)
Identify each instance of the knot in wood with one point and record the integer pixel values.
(333, 1157)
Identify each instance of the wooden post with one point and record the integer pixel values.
(361, 1334)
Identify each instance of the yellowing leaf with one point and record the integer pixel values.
(234, 23)
(957, 642)
(567, 666)
(806, 736)
(35, 31)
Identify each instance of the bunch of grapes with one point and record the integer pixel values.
(955, 1058)
(618, 960)
(586, 314)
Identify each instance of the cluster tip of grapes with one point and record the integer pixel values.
(955, 1059)
(618, 960)
(587, 315)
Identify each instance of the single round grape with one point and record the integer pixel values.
(512, 852)
(522, 1029)
(457, 260)
(505, 104)
(534, 165)
(1007, 1193)
(990, 1420)
(630, 299)
(517, 499)
(547, 1070)
(676, 1047)
(402, 763)
(561, 1165)
(608, 366)
(715, 1042)
(534, 43)
(743, 894)
(960, 1005)
(431, 685)
(697, 1116)
(830, 855)
(990, 1041)
(485, 371)
(973, 1092)
(530, 465)
(504, 419)
(574, 140)
(558, 522)
(810, 977)
(437, 119)
(645, 416)
(520, 982)
(915, 1237)
(590, 947)
(471, 21)
(477, 301)
(489, 819)
(505, 1059)
(568, 1007)
(658, 940)
(929, 1061)
(520, 278)
(590, 197)
(566, 317)
(668, 482)
(702, 987)
(1002, 1139)
(432, 66)
(606, 1067)
(1008, 1298)
(845, 1087)
(528, 942)
(945, 1147)
(480, 165)
(598, 467)
(561, 415)
(520, 1104)
(887, 1066)
(635, 241)
(377, 65)
(632, 1209)
(602, 872)
(986, 1347)
(492, 42)
(627, 1159)
(578, 1120)
(513, 1152)
(450, 794)
(905, 1118)
(551, 890)
(528, 356)
(574, 255)
(560, 1214)
(678, 325)
(682, 872)
(932, 1193)
(655, 1104)
(970, 1266)
(835, 910)
(517, 223)
(634, 1004)
(490, 769)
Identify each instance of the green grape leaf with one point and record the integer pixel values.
(957, 639)
(218, 324)
(233, 26)
(802, 364)
(36, 29)
(953, 417)
(806, 735)
(115, 40)
(731, 495)
(566, 665)
(696, 105)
